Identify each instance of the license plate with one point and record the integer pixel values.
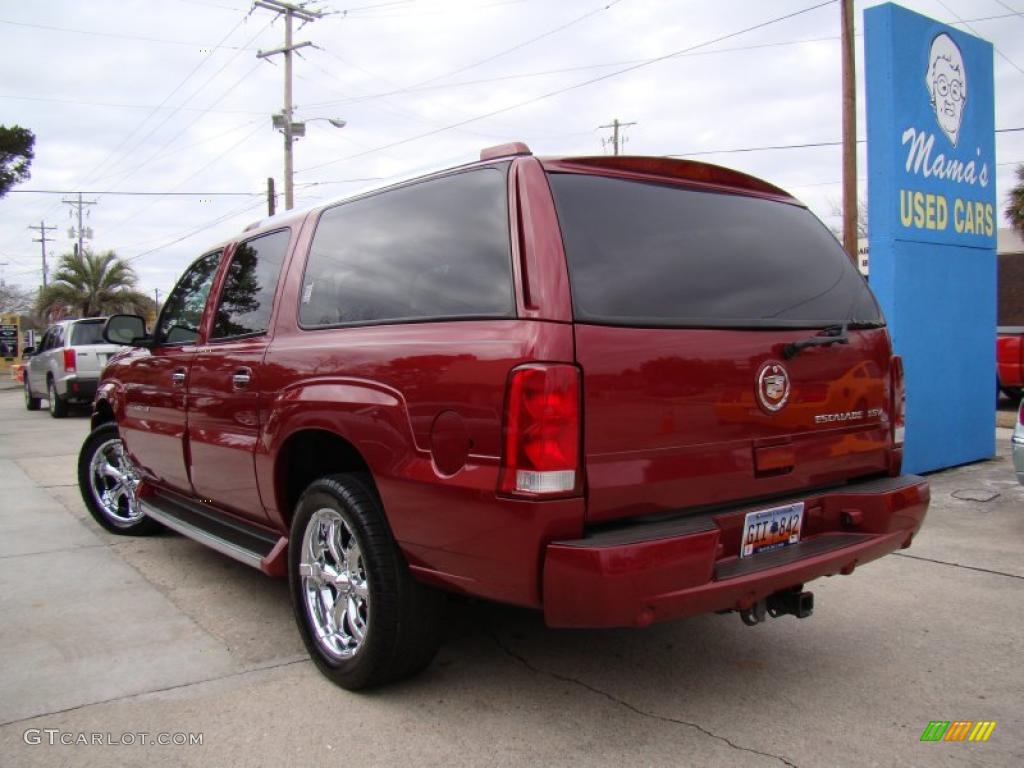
(769, 529)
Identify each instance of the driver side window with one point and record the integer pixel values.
(179, 321)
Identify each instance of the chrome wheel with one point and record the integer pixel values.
(113, 482)
(334, 584)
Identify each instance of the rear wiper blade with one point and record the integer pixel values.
(833, 334)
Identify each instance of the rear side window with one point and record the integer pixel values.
(84, 334)
(438, 249)
(248, 293)
(651, 254)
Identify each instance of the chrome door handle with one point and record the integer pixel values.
(178, 377)
(241, 378)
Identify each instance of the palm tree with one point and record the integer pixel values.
(90, 285)
(1015, 205)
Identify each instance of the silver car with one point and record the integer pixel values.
(65, 368)
(1017, 442)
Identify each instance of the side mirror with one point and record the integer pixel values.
(126, 329)
(27, 352)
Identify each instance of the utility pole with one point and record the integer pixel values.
(43, 229)
(285, 123)
(849, 133)
(617, 139)
(79, 205)
(271, 197)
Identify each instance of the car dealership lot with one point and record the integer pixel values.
(113, 636)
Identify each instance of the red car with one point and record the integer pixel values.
(1010, 361)
(613, 389)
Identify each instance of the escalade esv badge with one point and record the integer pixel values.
(772, 386)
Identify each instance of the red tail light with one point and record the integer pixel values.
(898, 414)
(542, 432)
(899, 402)
(69, 361)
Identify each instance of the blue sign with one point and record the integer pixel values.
(932, 220)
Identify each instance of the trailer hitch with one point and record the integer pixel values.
(788, 601)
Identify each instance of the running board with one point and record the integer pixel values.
(240, 541)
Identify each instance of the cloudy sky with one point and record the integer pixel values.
(148, 96)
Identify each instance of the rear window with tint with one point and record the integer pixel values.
(84, 334)
(651, 254)
(437, 249)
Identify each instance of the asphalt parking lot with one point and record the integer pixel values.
(120, 637)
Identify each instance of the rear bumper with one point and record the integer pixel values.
(654, 571)
(80, 390)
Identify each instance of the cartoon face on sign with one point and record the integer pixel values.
(946, 79)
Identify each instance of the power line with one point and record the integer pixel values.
(566, 89)
(1006, 58)
(216, 158)
(125, 175)
(422, 83)
(1009, 8)
(807, 145)
(541, 73)
(196, 231)
(118, 35)
(91, 174)
(523, 44)
(561, 70)
(116, 105)
(198, 117)
(131, 194)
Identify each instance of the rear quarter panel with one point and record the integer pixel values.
(400, 394)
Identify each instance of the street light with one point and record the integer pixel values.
(293, 130)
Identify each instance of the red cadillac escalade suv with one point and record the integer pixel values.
(618, 390)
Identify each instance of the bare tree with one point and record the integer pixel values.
(1015, 203)
(15, 300)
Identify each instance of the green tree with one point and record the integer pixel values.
(1015, 205)
(90, 285)
(16, 153)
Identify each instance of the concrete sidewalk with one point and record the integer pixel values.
(117, 636)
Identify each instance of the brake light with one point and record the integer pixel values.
(542, 432)
(899, 402)
(69, 361)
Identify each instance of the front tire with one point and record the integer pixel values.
(363, 618)
(58, 405)
(108, 483)
(31, 403)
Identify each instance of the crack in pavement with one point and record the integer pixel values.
(631, 707)
(959, 565)
(53, 551)
(239, 673)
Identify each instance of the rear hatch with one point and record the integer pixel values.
(685, 299)
(90, 350)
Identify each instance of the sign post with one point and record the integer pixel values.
(932, 226)
(10, 327)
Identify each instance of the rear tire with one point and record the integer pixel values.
(31, 403)
(364, 619)
(1014, 393)
(58, 405)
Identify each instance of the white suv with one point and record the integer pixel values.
(66, 365)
